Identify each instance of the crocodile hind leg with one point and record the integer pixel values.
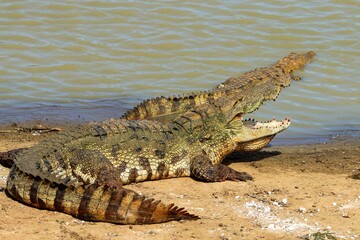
(88, 165)
(202, 168)
(7, 158)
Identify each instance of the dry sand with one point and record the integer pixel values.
(298, 190)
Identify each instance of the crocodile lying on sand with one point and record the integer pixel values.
(82, 171)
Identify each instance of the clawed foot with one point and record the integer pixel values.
(109, 179)
(241, 176)
(202, 168)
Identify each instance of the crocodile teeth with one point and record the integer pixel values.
(271, 124)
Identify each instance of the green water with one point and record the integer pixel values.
(90, 60)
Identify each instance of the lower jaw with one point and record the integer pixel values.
(254, 145)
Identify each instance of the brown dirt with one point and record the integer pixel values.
(297, 190)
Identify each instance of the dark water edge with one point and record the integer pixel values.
(281, 140)
(78, 112)
(64, 112)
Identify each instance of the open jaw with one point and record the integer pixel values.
(257, 135)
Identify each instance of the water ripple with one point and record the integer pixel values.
(73, 52)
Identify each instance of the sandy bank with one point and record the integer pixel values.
(297, 190)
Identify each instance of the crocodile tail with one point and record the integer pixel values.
(94, 203)
(294, 61)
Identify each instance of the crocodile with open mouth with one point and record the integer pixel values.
(82, 171)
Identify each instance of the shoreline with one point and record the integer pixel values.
(298, 190)
(63, 114)
(280, 140)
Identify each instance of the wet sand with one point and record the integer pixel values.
(298, 190)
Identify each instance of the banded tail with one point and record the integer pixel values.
(94, 203)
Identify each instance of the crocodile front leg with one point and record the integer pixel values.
(202, 168)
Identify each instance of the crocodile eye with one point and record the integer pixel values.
(238, 117)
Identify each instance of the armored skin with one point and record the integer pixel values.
(82, 171)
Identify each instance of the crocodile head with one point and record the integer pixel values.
(251, 135)
(237, 97)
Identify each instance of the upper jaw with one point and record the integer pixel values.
(273, 125)
(252, 130)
